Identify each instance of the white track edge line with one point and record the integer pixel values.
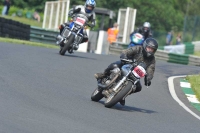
(173, 93)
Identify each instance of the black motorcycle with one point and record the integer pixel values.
(120, 83)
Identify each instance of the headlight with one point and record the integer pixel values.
(78, 26)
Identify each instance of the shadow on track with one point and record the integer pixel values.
(129, 108)
(70, 55)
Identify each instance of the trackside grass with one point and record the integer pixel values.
(17, 41)
(194, 80)
(197, 53)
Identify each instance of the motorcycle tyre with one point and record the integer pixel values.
(118, 97)
(98, 96)
(67, 45)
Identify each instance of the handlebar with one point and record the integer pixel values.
(127, 60)
(88, 24)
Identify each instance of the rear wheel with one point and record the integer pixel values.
(96, 95)
(115, 98)
(67, 45)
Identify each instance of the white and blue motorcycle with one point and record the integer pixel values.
(72, 35)
(136, 39)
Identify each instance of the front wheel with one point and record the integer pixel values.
(115, 98)
(96, 95)
(67, 45)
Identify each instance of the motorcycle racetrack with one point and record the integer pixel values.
(44, 92)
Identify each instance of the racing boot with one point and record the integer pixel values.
(102, 75)
(76, 47)
(122, 102)
(70, 51)
(99, 75)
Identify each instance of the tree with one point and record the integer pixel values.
(162, 14)
(19, 3)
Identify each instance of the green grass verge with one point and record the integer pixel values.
(197, 53)
(195, 84)
(16, 41)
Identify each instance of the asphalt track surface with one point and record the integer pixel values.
(43, 92)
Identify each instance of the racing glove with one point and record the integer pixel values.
(77, 10)
(147, 82)
(123, 56)
(71, 12)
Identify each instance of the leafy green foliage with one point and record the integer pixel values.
(15, 9)
(164, 15)
(29, 4)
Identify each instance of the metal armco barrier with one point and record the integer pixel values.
(117, 48)
(194, 60)
(196, 45)
(42, 35)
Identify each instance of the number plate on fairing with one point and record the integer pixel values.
(80, 21)
(139, 72)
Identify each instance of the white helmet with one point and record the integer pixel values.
(146, 26)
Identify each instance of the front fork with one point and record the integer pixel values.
(125, 71)
(133, 88)
(116, 88)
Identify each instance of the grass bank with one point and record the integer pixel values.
(16, 41)
(197, 53)
(195, 84)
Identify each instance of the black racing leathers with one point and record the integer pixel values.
(136, 53)
(141, 31)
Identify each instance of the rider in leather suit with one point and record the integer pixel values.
(88, 11)
(144, 30)
(144, 53)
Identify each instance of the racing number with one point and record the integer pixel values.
(80, 20)
(139, 72)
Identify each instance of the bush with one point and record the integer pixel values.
(160, 36)
(13, 11)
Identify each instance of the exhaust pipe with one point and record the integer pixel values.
(110, 83)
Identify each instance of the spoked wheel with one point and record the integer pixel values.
(115, 98)
(67, 45)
